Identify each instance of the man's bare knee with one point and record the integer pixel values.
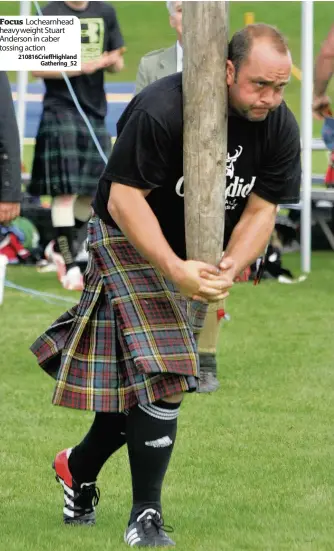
(174, 399)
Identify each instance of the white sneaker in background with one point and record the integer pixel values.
(55, 258)
(82, 255)
(43, 266)
(73, 280)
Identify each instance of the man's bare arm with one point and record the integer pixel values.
(324, 67)
(133, 215)
(114, 60)
(252, 233)
(323, 72)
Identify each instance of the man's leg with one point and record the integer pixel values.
(106, 435)
(151, 433)
(68, 212)
(77, 469)
(207, 344)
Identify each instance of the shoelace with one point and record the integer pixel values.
(157, 523)
(89, 496)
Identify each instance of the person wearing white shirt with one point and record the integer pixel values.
(166, 61)
(179, 57)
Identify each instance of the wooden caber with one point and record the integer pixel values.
(205, 40)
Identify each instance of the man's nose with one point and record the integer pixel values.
(268, 97)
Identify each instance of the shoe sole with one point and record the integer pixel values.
(160, 547)
(68, 520)
(208, 387)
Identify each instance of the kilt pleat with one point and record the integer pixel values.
(132, 337)
(66, 160)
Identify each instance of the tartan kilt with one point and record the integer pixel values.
(132, 337)
(66, 160)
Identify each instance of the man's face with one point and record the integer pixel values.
(176, 20)
(260, 82)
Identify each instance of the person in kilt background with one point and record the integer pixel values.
(67, 164)
(128, 350)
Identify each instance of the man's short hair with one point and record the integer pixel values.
(242, 41)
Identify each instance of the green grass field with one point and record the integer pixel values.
(252, 469)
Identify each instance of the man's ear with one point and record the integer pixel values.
(230, 73)
(171, 21)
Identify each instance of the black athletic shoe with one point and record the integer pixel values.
(208, 382)
(148, 531)
(79, 500)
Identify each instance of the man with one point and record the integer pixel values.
(10, 164)
(128, 350)
(67, 164)
(164, 62)
(323, 72)
(152, 66)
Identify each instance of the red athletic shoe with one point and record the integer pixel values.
(79, 500)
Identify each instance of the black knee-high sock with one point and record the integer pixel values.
(106, 435)
(64, 245)
(151, 433)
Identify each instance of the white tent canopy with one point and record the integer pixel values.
(306, 118)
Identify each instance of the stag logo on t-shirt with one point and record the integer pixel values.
(230, 160)
(236, 187)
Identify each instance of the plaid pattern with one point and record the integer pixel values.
(132, 337)
(66, 160)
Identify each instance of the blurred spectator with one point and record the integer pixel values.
(10, 164)
(67, 164)
(323, 72)
(166, 61)
(324, 69)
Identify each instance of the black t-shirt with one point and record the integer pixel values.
(263, 157)
(100, 32)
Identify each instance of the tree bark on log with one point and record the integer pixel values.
(205, 39)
